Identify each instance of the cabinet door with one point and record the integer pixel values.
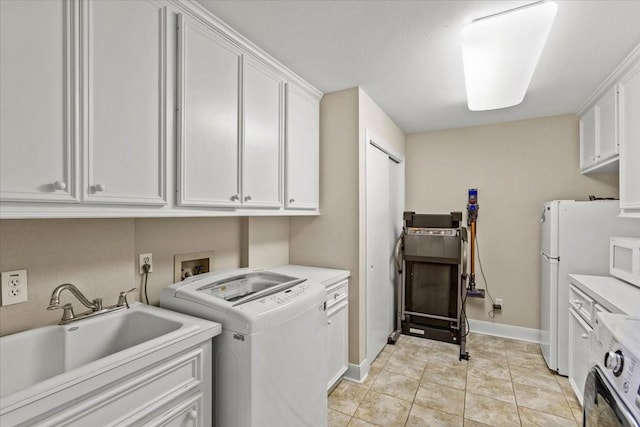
(262, 142)
(608, 126)
(338, 344)
(124, 69)
(578, 352)
(36, 137)
(209, 88)
(629, 90)
(588, 137)
(302, 147)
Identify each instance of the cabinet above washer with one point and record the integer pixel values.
(177, 115)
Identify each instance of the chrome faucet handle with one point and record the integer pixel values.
(68, 313)
(122, 298)
(97, 304)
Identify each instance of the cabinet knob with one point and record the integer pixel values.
(584, 336)
(60, 185)
(578, 304)
(192, 415)
(235, 198)
(336, 295)
(292, 201)
(99, 188)
(247, 198)
(328, 322)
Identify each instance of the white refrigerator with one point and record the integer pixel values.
(574, 239)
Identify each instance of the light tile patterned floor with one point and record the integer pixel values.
(421, 383)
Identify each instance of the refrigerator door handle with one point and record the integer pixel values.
(550, 258)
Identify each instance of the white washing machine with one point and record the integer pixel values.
(270, 360)
(612, 389)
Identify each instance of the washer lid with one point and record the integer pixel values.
(240, 289)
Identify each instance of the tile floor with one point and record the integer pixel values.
(420, 382)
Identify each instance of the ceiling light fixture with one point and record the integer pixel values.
(500, 53)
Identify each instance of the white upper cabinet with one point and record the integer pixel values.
(608, 126)
(302, 149)
(37, 151)
(208, 144)
(599, 135)
(262, 136)
(629, 89)
(148, 108)
(124, 101)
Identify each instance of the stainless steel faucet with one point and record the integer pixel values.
(94, 306)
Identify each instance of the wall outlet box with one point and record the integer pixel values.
(14, 287)
(187, 265)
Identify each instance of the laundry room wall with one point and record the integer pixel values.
(516, 167)
(100, 256)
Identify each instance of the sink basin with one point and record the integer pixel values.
(54, 354)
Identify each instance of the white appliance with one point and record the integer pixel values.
(270, 360)
(612, 389)
(624, 259)
(574, 239)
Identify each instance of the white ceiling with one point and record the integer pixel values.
(406, 54)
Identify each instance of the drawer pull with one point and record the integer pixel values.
(578, 304)
(192, 415)
(584, 336)
(328, 322)
(336, 295)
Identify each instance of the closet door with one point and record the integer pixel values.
(37, 151)
(379, 287)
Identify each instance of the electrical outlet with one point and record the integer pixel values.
(145, 259)
(14, 287)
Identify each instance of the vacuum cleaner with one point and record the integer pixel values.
(472, 217)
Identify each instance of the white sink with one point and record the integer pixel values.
(39, 359)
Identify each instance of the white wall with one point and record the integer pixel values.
(516, 167)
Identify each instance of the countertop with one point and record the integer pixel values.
(325, 276)
(613, 294)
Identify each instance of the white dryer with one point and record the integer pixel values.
(270, 360)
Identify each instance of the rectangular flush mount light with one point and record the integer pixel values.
(500, 53)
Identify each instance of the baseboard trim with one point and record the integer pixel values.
(505, 331)
(357, 373)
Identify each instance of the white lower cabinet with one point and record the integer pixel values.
(579, 334)
(174, 391)
(338, 330)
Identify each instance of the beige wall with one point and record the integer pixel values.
(267, 242)
(336, 238)
(100, 256)
(331, 240)
(516, 167)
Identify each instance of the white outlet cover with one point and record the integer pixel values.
(13, 287)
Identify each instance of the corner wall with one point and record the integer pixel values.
(516, 167)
